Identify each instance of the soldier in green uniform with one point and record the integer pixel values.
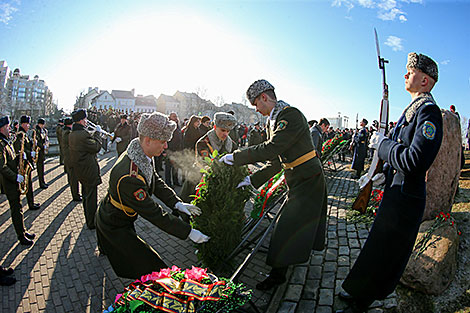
(122, 135)
(300, 227)
(71, 177)
(40, 134)
(83, 148)
(58, 131)
(10, 180)
(132, 182)
(218, 139)
(25, 120)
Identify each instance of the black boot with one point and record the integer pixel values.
(7, 280)
(276, 277)
(6, 271)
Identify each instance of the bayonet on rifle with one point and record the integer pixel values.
(362, 200)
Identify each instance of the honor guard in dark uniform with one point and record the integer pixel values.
(71, 177)
(408, 154)
(132, 182)
(58, 131)
(122, 135)
(10, 180)
(83, 148)
(359, 144)
(21, 135)
(39, 136)
(301, 225)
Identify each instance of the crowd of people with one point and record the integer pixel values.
(147, 141)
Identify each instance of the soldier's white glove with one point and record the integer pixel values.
(98, 128)
(227, 159)
(45, 147)
(378, 179)
(187, 208)
(363, 180)
(33, 154)
(245, 182)
(118, 139)
(198, 237)
(19, 178)
(24, 155)
(375, 140)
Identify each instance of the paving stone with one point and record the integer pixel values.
(324, 309)
(331, 254)
(314, 272)
(375, 310)
(328, 280)
(325, 297)
(299, 275)
(376, 304)
(343, 241)
(354, 243)
(287, 307)
(306, 306)
(316, 260)
(329, 267)
(363, 233)
(342, 272)
(352, 234)
(343, 250)
(343, 260)
(311, 289)
(293, 293)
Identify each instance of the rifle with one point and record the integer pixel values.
(360, 204)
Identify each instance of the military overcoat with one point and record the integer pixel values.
(122, 131)
(130, 189)
(408, 155)
(83, 148)
(301, 225)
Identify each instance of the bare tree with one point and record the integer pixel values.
(219, 101)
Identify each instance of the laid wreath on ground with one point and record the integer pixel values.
(180, 291)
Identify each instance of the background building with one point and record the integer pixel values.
(21, 95)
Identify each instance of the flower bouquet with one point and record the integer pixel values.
(371, 210)
(442, 219)
(174, 290)
(268, 193)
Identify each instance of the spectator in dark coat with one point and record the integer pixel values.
(191, 133)
(205, 125)
(317, 132)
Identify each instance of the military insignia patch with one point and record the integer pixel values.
(204, 153)
(429, 130)
(281, 125)
(140, 195)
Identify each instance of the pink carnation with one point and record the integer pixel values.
(196, 273)
(117, 297)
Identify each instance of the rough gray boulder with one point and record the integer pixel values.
(442, 178)
(433, 270)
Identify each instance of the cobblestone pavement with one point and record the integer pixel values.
(63, 271)
(315, 285)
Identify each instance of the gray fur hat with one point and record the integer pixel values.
(257, 88)
(156, 126)
(225, 120)
(423, 63)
